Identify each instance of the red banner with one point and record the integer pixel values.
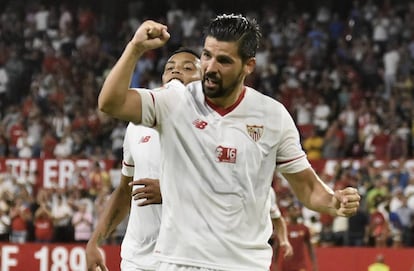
(50, 172)
(65, 257)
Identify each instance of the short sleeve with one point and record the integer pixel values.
(158, 105)
(128, 161)
(291, 157)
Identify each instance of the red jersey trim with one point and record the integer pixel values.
(224, 111)
(153, 103)
(291, 160)
(127, 165)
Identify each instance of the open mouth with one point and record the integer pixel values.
(210, 82)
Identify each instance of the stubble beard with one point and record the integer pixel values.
(219, 91)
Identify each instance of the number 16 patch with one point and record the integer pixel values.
(226, 155)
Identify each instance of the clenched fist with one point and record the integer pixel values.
(150, 35)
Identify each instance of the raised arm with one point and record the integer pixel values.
(116, 98)
(317, 196)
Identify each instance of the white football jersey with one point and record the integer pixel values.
(141, 160)
(217, 166)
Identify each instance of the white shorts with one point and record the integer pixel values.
(180, 267)
(131, 266)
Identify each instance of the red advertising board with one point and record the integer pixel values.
(51, 257)
(71, 257)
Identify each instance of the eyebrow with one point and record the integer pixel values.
(223, 57)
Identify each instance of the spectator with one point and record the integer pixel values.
(60, 123)
(390, 59)
(98, 179)
(339, 230)
(62, 214)
(409, 193)
(358, 228)
(8, 183)
(27, 180)
(405, 215)
(379, 229)
(43, 224)
(327, 236)
(82, 222)
(315, 229)
(313, 145)
(4, 221)
(334, 141)
(380, 144)
(15, 131)
(63, 148)
(399, 174)
(48, 144)
(376, 193)
(367, 133)
(24, 145)
(20, 216)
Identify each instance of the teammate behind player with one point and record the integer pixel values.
(141, 160)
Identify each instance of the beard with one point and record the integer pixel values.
(213, 85)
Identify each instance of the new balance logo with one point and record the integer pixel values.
(145, 139)
(200, 124)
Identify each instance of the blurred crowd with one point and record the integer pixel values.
(346, 76)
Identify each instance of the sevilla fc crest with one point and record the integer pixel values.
(255, 131)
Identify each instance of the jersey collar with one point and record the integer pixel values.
(223, 111)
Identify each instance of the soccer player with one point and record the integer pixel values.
(141, 160)
(280, 231)
(300, 238)
(220, 143)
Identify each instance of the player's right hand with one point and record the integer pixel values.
(94, 258)
(148, 191)
(150, 35)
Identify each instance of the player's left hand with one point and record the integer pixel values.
(149, 190)
(346, 201)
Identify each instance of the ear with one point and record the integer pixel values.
(250, 65)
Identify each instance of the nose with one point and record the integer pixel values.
(176, 70)
(211, 66)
